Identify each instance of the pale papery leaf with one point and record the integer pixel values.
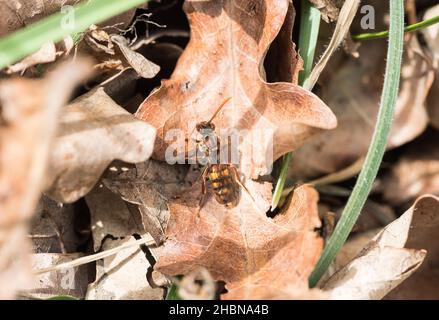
(46, 54)
(28, 121)
(93, 132)
(223, 59)
(123, 276)
(392, 256)
(421, 222)
(72, 282)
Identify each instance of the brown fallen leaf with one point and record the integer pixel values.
(415, 173)
(384, 263)
(93, 132)
(356, 110)
(255, 255)
(28, 120)
(224, 59)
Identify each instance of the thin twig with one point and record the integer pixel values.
(84, 260)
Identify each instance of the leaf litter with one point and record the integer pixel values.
(143, 226)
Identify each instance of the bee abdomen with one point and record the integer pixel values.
(225, 191)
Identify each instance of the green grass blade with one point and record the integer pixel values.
(377, 147)
(51, 29)
(173, 293)
(281, 181)
(309, 31)
(384, 34)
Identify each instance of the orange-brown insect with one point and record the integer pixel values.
(223, 178)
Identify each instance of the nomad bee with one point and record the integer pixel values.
(222, 178)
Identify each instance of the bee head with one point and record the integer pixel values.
(205, 127)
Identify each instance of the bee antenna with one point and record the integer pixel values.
(219, 109)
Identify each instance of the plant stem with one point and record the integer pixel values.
(55, 27)
(309, 31)
(281, 181)
(384, 34)
(377, 147)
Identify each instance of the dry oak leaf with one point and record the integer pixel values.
(93, 132)
(224, 58)
(255, 255)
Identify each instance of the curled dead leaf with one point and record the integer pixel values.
(93, 132)
(328, 8)
(144, 67)
(113, 52)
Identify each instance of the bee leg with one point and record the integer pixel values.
(204, 176)
(239, 182)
